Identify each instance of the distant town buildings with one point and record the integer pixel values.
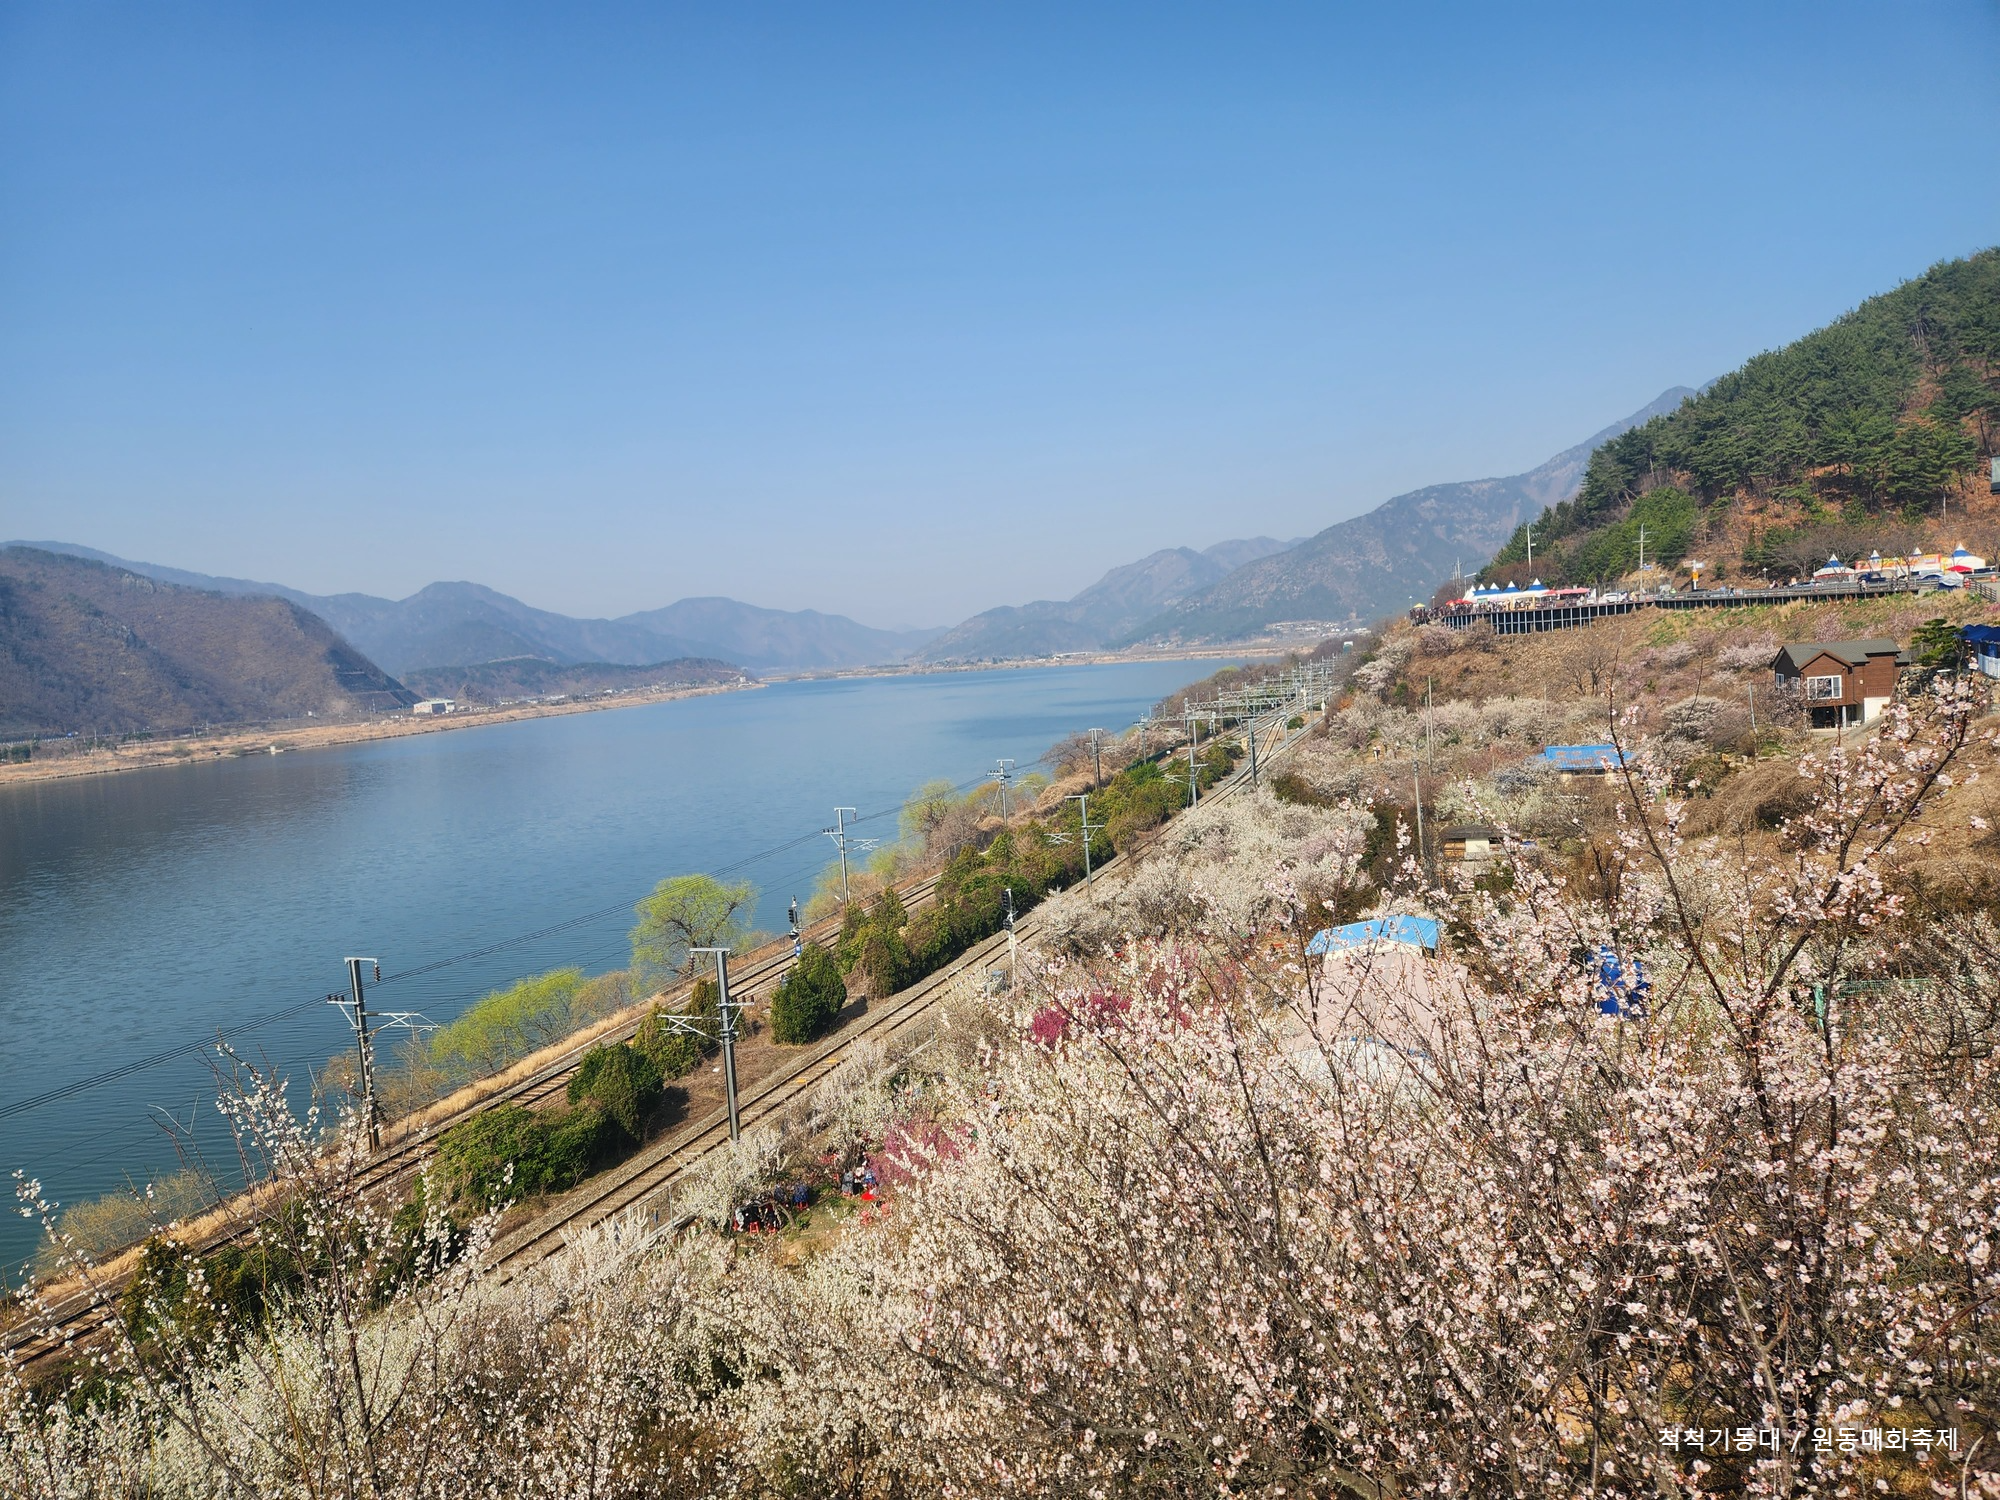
(434, 706)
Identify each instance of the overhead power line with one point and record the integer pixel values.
(77, 1086)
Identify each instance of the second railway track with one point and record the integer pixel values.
(656, 1166)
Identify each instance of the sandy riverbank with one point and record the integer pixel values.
(307, 734)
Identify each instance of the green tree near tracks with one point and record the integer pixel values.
(507, 1025)
(808, 998)
(688, 911)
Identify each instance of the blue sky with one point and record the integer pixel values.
(905, 312)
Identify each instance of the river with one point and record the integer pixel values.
(144, 913)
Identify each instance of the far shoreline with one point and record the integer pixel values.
(304, 735)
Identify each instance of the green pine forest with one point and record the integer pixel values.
(1881, 416)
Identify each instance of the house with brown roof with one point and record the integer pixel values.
(1840, 683)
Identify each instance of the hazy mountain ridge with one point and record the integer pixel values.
(1390, 558)
(85, 646)
(1116, 603)
(462, 624)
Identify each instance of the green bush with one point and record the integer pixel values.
(549, 1150)
(240, 1286)
(808, 998)
(620, 1080)
(673, 1054)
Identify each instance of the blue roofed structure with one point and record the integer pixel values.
(1583, 760)
(1399, 932)
(1984, 643)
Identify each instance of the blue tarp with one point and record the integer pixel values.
(1583, 757)
(1411, 932)
(1622, 988)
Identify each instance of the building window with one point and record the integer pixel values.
(1822, 689)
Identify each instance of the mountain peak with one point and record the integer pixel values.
(1393, 556)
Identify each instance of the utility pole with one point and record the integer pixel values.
(1531, 549)
(1096, 760)
(1430, 726)
(1253, 750)
(354, 1004)
(1013, 947)
(1194, 740)
(1088, 829)
(798, 945)
(366, 1052)
(726, 1008)
(838, 833)
(1642, 546)
(1006, 776)
(1752, 691)
(1417, 780)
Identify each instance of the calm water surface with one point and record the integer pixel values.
(150, 910)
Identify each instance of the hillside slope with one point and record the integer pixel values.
(1107, 610)
(464, 624)
(1872, 432)
(85, 646)
(1393, 556)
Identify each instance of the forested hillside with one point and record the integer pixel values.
(91, 648)
(1381, 562)
(1872, 431)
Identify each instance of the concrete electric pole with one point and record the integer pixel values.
(1088, 829)
(726, 1009)
(838, 833)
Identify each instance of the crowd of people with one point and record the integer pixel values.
(769, 1212)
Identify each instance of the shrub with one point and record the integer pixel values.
(620, 1080)
(673, 1053)
(808, 998)
(549, 1150)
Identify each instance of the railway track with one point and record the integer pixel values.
(404, 1155)
(651, 1174)
(647, 1180)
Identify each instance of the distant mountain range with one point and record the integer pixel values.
(464, 624)
(87, 647)
(1122, 599)
(1382, 562)
(466, 640)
